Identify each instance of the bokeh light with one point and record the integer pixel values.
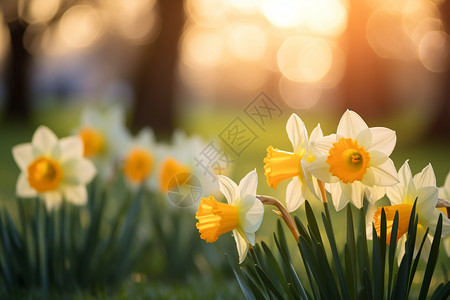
(80, 26)
(284, 13)
(434, 51)
(327, 17)
(35, 11)
(207, 13)
(304, 59)
(246, 41)
(202, 48)
(299, 95)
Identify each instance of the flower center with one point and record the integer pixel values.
(138, 164)
(347, 160)
(280, 165)
(92, 140)
(44, 174)
(171, 169)
(404, 213)
(215, 218)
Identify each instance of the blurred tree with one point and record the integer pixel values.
(155, 77)
(364, 84)
(440, 127)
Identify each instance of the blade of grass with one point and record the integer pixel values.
(391, 255)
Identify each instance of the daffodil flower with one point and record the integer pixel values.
(102, 133)
(140, 158)
(242, 214)
(402, 196)
(444, 193)
(281, 165)
(180, 163)
(53, 169)
(355, 161)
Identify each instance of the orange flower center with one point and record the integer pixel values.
(280, 165)
(44, 174)
(93, 141)
(138, 165)
(215, 218)
(172, 174)
(404, 213)
(347, 160)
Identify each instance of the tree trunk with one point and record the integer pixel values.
(364, 85)
(154, 84)
(18, 75)
(440, 127)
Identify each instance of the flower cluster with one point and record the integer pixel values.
(352, 164)
(59, 169)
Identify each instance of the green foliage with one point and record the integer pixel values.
(349, 274)
(71, 248)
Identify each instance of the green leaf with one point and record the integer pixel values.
(254, 286)
(336, 260)
(442, 292)
(312, 222)
(242, 284)
(432, 259)
(367, 285)
(378, 274)
(268, 283)
(391, 255)
(361, 243)
(351, 247)
(416, 260)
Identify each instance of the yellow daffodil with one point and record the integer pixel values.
(103, 134)
(139, 158)
(53, 169)
(444, 193)
(242, 214)
(355, 161)
(402, 196)
(281, 165)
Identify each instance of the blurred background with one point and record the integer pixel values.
(199, 64)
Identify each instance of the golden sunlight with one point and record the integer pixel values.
(304, 59)
(434, 51)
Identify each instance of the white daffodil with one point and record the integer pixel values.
(243, 214)
(102, 133)
(140, 156)
(53, 169)
(181, 161)
(444, 193)
(402, 196)
(280, 165)
(355, 161)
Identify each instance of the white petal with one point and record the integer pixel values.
(52, 200)
(253, 217)
(427, 197)
(76, 194)
(316, 133)
(375, 193)
(241, 245)
(364, 138)
(321, 170)
(321, 146)
(23, 155)
(250, 237)
(404, 174)
(351, 124)
(400, 251)
(377, 158)
(426, 177)
(248, 184)
(385, 174)
(432, 223)
(78, 171)
(368, 178)
(371, 209)
(71, 147)
(395, 194)
(354, 191)
(297, 133)
(44, 141)
(294, 196)
(310, 190)
(229, 189)
(383, 140)
(339, 199)
(23, 188)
